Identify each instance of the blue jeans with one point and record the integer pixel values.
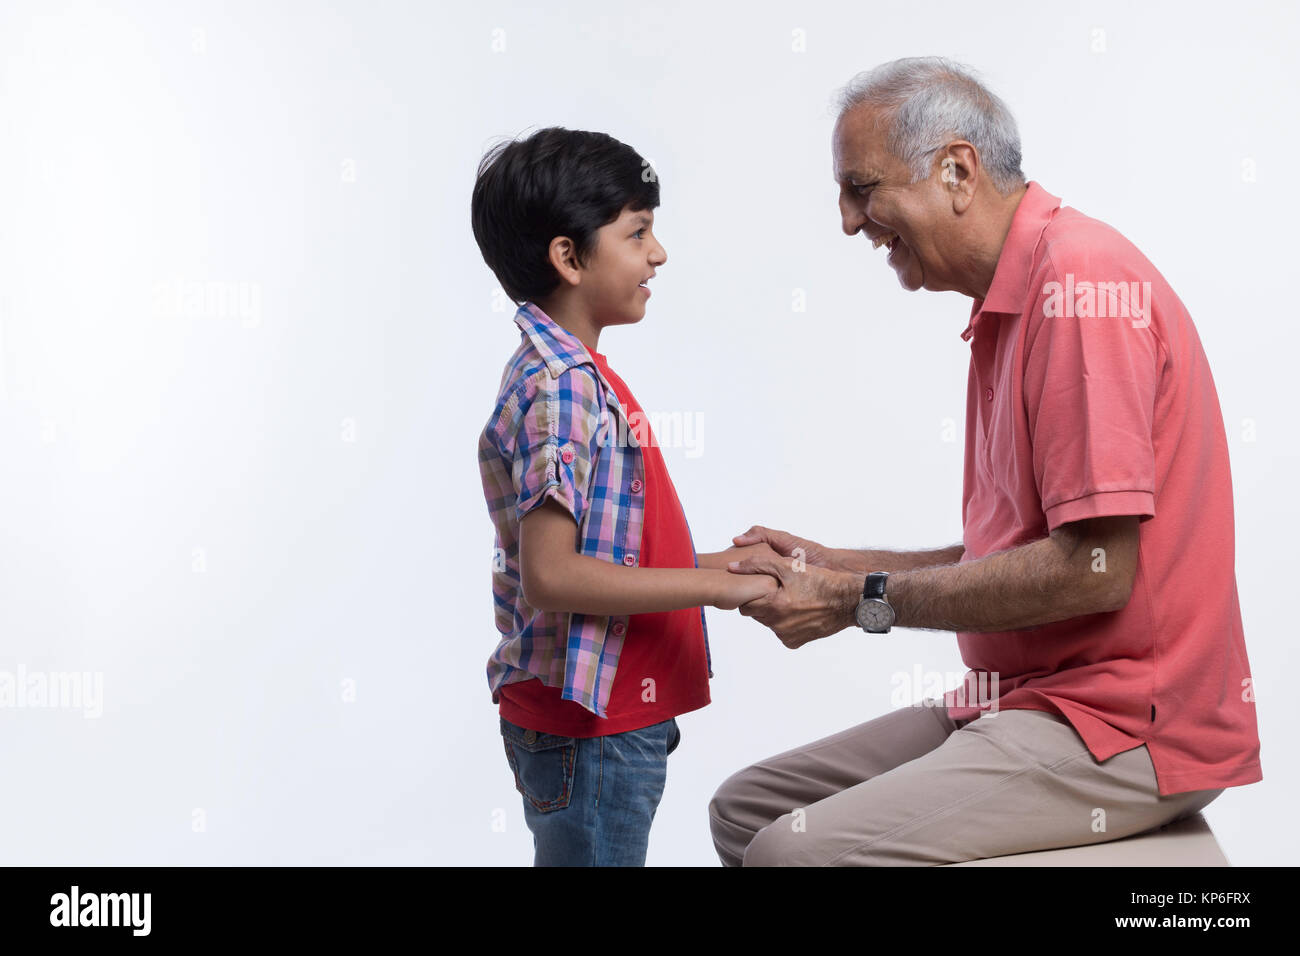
(589, 801)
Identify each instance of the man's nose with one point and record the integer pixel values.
(851, 219)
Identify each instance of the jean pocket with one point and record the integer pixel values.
(542, 765)
(674, 735)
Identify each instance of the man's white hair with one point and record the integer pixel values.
(927, 102)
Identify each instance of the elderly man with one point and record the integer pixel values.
(1094, 594)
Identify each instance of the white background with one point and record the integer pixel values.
(185, 514)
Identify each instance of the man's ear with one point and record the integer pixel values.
(564, 257)
(959, 166)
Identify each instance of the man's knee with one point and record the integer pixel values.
(730, 793)
(729, 835)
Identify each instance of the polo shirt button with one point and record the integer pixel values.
(988, 393)
(619, 628)
(629, 559)
(567, 454)
(636, 485)
(530, 736)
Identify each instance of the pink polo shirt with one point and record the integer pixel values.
(1089, 395)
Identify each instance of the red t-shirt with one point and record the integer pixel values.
(1090, 395)
(663, 667)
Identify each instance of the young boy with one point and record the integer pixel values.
(598, 591)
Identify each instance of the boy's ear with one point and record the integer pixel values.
(564, 257)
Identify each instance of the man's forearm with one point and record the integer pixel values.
(1034, 584)
(849, 559)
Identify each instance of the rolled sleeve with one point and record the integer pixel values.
(556, 426)
(1090, 387)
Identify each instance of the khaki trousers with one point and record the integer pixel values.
(913, 788)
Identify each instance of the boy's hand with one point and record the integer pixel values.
(739, 553)
(737, 589)
(718, 560)
(784, 544)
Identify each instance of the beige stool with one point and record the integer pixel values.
(1186, 842)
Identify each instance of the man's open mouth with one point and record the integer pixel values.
(889, 239)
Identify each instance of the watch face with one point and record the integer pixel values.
(875, 615)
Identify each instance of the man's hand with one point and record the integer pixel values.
(811, 603)
(786, 544)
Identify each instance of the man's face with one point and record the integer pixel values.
(877, 200)
(626, 255)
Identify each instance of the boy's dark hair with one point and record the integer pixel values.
(557, 182)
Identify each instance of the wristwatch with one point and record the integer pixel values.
(874, 613)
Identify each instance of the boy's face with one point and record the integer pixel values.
(626, 255)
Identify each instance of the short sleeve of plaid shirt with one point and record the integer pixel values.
(556, 424)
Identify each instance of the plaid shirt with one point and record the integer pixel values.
(547, 437)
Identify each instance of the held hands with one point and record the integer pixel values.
(812, 601)
(786, 545)
(733, 590)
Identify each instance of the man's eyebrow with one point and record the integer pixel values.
(642, 218)
(854, 174)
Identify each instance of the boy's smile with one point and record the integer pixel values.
(612, 288)
(626, 258)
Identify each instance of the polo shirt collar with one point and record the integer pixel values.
(1009, 289)
(559, 348)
